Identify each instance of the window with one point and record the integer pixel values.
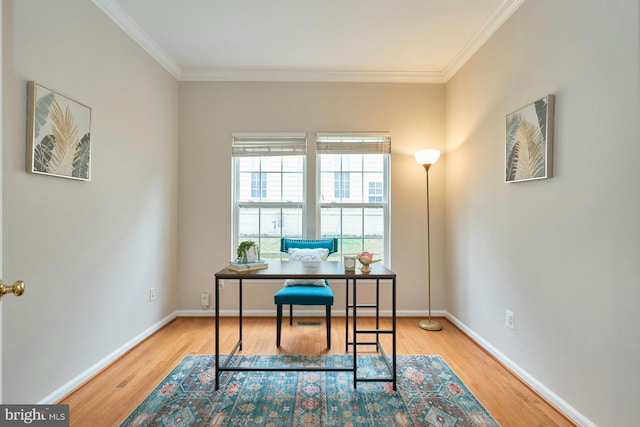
(353, 184)
(258, 185)
(375, 192)
(351, 191)
(341, 183)
(268, 189)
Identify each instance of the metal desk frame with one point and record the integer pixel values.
(332, 270)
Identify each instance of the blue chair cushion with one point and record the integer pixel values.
(304, 295)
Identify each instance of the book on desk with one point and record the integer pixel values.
(246, 266)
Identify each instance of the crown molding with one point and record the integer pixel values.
(501, 14)
(313, 76)
(131, 27)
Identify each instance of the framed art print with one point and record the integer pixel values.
(529, 141)
(58, 134)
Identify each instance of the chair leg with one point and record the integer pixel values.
(278, 324)
(290, 314)
(328, 322)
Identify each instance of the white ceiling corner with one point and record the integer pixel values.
(506, 9)
(131, 27)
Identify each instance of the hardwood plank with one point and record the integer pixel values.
(110, 396)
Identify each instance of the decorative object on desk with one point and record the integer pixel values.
(349, 263)
(427, 158)
(529, 143)
(428, 393)
(244, 266)
(366, 259)
(248, 251)
(58, 134)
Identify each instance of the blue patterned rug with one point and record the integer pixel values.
(428, 394)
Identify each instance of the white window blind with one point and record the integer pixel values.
(265, 144)
(353, 143)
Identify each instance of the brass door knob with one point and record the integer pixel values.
(17, 288)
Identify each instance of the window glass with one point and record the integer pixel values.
(353, 200)
(269, 193)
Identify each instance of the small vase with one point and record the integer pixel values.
(252, 254)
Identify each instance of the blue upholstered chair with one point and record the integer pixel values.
(305, 294)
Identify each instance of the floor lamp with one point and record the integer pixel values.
(427, 158)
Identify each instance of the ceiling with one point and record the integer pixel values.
(310, 40)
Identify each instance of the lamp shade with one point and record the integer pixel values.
(427, 157)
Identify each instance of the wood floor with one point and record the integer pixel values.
(109, 397)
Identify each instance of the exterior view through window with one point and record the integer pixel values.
(270, 200)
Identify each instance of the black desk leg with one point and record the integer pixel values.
(377, 314)
(393, 327)
(217, 355)
(240, 306)
(346, 315)
(355, 336)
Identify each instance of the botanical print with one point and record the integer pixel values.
(528, 142)
(60, 134)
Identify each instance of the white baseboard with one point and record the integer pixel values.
(527, 378)
(96, 368)
(299, 311)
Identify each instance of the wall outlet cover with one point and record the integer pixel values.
(509, 320)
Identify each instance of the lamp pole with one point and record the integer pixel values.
(427, 158)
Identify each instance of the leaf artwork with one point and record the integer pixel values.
(81, 159)
(65, 132)
(61, 136)
(530, 160)
(42, 111)
(526, 144)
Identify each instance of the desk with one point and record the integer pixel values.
(332, 270)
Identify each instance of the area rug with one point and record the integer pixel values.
(428, 394)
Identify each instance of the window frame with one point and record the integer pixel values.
(311, 204)
(237, 205)
(385, 204)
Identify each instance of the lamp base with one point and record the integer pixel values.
(430, 325)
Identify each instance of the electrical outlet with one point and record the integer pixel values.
(509, 320)
(152, 294)
(204, 299)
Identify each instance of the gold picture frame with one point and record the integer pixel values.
(529, 141)
(58, 134)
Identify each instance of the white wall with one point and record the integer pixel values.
(87, 251)
(560, 253)
(1, 127)
(210, 112)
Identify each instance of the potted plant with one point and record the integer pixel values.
(247, 251)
